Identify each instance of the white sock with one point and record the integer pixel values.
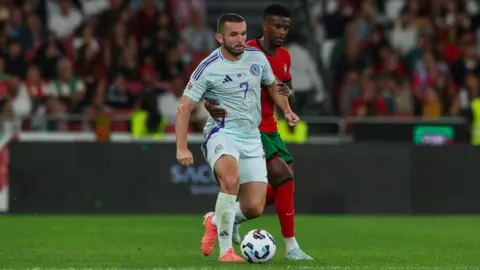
(224, 219)
(239, 217)
(291, 244)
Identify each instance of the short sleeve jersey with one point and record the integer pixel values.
(237, 86)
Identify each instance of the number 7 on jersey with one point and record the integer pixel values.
(244, 85)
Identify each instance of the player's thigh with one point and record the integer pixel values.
(253, 185)
(280, 147)
(268, 146)
(222, 156)
(278, 170)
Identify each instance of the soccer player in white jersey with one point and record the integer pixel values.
(232, 74)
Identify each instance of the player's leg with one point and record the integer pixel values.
(253, 188)
(269, 150)
(280, 177)
(222, 157)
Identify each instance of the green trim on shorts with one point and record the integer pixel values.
(274, 145)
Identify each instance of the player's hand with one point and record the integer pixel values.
(184, 157)
(292, 118)
(213, 110)
(283, 89)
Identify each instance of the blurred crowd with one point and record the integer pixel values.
(112, 57)
(98, 58)
(400, 57)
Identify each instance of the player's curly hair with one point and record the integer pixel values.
(276, 10)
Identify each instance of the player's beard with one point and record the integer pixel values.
(232, 50)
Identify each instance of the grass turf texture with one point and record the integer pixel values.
(162, 242)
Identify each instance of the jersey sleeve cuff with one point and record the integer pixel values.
(192, 97)
(271, 81)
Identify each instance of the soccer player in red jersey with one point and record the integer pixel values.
(276, 24)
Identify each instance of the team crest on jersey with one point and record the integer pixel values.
(285, 68)
(255, 70)
(218, 148)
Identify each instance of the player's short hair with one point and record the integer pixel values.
(276, 10)
(229, 17)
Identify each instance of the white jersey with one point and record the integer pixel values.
(237, 86)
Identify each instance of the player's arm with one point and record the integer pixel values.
(280, 100)
(288, 81)
(192, 94)
(273, 85)
(182, 119)
(291, 97)
(273, 88)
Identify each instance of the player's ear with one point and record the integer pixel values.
(219, 38)
(264, 25)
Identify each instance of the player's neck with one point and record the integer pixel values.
(267, 47)
(230, 57)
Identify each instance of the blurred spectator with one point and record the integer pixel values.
(118, 95)
(335, 22)
(432, 108)
(15, 23)
(349, 91)
(403, 99)
(64, 20)
(466, 95)
(145, 19)
(48, 56)
(307, 83)
(149, 99)
(370, 104)
(91, 70)
(67, 89)
(35, 87)
(365, 21)
(169, 104)
(157, 44)
(198, 37)
(135, 5)
(177, 58)
(21, 104)
(467, 63)
(14, 105)
(93, 7)
(15, 62)
(405, 33)
(31, 35)
(120, 50)
(86, 37)
(3, 75)
(108, 17)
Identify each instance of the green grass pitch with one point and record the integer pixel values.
(173, 242)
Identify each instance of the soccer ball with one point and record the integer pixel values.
(258, 246)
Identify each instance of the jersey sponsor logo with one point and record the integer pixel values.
(255, 70)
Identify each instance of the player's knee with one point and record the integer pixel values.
(278, 172)
(226, 171)
(253, 210)
(229, 184)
